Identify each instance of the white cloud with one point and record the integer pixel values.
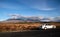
(15, 15)
(40, 7)
(38, 4)
(41, 17)
(47, 9)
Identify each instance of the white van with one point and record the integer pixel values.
(48, 26)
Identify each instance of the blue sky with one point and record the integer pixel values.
(46, 8)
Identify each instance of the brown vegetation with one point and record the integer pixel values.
(17, 26)
(8, 27)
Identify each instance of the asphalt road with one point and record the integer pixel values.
(33, 33)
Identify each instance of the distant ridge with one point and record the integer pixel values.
(32, 19)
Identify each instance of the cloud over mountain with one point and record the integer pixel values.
(17, 18)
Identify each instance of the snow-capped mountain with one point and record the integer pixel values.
(33, 19)
(25, 19)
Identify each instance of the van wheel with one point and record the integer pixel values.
(45, 28)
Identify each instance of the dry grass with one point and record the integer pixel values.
(17, 26)
(8, 27)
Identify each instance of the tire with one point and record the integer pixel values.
(45, 28)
